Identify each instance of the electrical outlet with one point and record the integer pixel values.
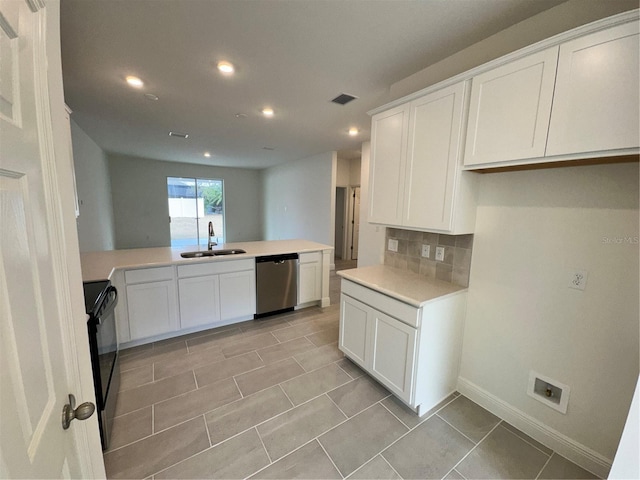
(440, 254)
(426, 251)
(578, 279)
(392, 245)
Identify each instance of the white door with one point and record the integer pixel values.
(355, 223)
(41, 311)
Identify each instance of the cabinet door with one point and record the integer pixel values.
(152, 309)
(355, 331)
(388, 159)
(595, 106)
(237, 295)
(510, 109)
(309, 282)
(394, 348)
(433, 154)
(199, 301)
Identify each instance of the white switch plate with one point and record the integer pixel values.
(578, 279)
(426, 251)
(392, 245)
(440, 254)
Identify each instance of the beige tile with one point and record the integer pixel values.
(362, 437)
(190, 361)
(323, 337)
(131, 427)
(238, 457)
(257, 327)
(503, 455)
(304, 315)
(152, 454)
(464, 241)
(148, 356)
(454, 475)
(296, 427)
(444, 272)
(150, 393)
(561, 468)
(312, 325)
(408, 416)
(357, 395)
(227, 368)
(267, 376)
(469, 418)
(136, 377)
(428, 451)
(215, 338)
(194, 403)
(231, 419)
(280, 351)
(308, 462)
(353, 370)
(375, 469)
(305, 387)
(248, 344)
(319, 357)
(125, 352)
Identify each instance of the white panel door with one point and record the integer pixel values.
(388, 158)
(199, 300)
(310, 282)
(595, 106)
(434, 147)
(355, 330)
(509, 110)
(237, 295)
(394, 348)
(152, 309)
(39, 275)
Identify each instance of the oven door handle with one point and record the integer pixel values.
(110, 302)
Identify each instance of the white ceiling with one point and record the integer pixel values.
(292, 55)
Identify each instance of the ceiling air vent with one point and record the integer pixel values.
(343, 99)
(176, 134)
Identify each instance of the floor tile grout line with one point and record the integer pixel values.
(474, 447)
(460, 431)
(544, 466)
(317, 439)
(454, 470)
(263, 446)
(239, 390)
(527, 441)
(206, 427)
(387, 462)
(293, 405)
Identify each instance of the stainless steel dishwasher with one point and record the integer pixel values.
(276, 284)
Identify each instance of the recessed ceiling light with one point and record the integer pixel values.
(151, 96)
(241, 115)
(353, 131)
(178, 134)
(225, 67)
(267, 112)
(134, 81)
(207, 154)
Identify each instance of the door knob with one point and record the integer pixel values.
(69, 411)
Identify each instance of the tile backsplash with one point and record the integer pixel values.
(454, 268)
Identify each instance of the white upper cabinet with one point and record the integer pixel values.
(388, 160)
(415, 165)
(510, 109)
(595, 106)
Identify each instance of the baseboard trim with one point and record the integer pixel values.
(565, 446)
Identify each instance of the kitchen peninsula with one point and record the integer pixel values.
(163, 295)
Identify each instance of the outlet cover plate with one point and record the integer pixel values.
(392, 245)
(440, 254)
(426, 251)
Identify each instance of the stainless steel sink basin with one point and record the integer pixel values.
(212, 253)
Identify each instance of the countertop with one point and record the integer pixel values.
(100, 265)
(408, 287)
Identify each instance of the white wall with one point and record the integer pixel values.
(141, 209)
(533, 229)
(371, 242)
(95, 223)
(299, 199)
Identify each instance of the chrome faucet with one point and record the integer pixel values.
(211, 243)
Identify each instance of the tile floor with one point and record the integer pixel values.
(275, 398)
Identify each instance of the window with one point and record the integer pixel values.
(193, 203)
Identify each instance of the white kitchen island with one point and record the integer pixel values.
(405, 330)
(162, 294)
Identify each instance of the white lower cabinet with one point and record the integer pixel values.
(309, 277)
(414, 352)
(151, 302)
(237, 295)
(199, 301)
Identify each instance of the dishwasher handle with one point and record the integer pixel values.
(277, 258)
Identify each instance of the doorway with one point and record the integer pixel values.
(353, 233)
(341, 225)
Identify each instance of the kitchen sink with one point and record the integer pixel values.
(212, 253)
